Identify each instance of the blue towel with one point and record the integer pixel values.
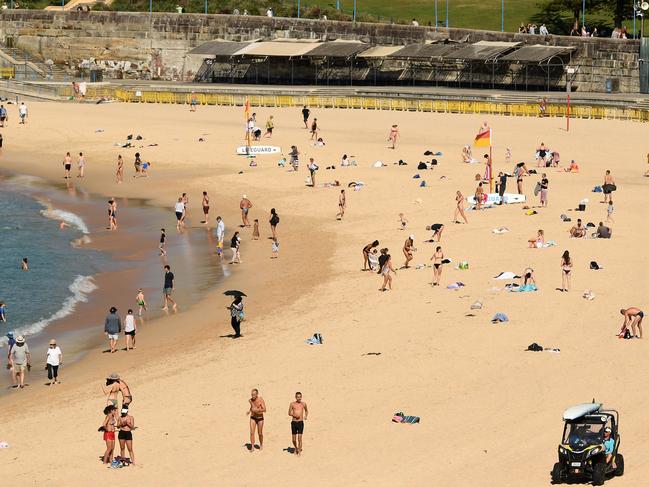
(499, 317)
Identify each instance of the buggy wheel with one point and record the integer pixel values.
(557, 473)
(619, 461)
(599, 473)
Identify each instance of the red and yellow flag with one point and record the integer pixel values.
(483, 139)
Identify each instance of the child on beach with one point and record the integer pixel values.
(163, 242)
(255, 230)
(141, 302)
(609, 212)
(403, 221)
(275, 249)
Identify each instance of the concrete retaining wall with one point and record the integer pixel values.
(143, 46)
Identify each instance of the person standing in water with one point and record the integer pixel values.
(81, 165)
(67, 165)
(298, 412)
(256, 413)
(437, 259)
(163, 242)
(141, 302)
(119, 174)
(112, 215)
(206, 207)
(24, 265)
(168, 288)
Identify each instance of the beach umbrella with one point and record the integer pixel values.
(234, 292)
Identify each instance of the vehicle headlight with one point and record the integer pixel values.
(562, 450)
(595, 451)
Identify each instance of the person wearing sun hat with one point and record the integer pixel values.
(20, 359)
(54, 359)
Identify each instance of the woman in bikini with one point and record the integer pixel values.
(119, 175)
(566, 267)
(437, 259)
(394, 133)
(408, 248)
(108, 428)
(366, 253)
(479, 196)
(459, 208)
(126, 425)
(519, 171)
(386, 267)
(538, 241)
(314, 129)
(112, 215)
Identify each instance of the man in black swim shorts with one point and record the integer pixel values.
(298, 412)
(632, 316)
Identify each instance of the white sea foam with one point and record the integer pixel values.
(68, 217)
(80, 288)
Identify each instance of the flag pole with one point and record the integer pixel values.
(491, 167)
(247, 116)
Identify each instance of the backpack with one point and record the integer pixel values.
(422, 165)
(535, 347)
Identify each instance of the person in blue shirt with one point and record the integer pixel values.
(609, 445)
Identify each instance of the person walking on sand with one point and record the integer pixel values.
(185, 199)
(53, 361)
(609, 212)
(81, 165)
(256, 413)
(255, 229)
(298, 411)
(408, 249)
(141, 302)
(314, 129)
(609, 186)
(394, 134)
(270, 125)
(274, 249)
(385, 267)
(119, 174)
(112, 328)
(22, 112)
(126, 425)
(305, 116)
(544, 190)
(245, 204)
(566, 268)
(313, 167)
(342, 205)
(437, 259)
(168, 288)
(366, 254)
(235, 245)
(274, 221)
(632, 317)
(20, 360)
(179, 208)
(108, 429)
(67, 165)
(11, 343)
(236, 315)
(459, 208)
(130, 329)
(162, 246)
(206, 207)
(137, 164)
(4, 118)
(193, 102)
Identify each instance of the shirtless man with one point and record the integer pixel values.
(256, 413)
(608, 186)
(578, 231)
(67, 164)
(245, 206)
(632, 316)
(342, 204)
(298, 412)
(408, 249)
(206, 207)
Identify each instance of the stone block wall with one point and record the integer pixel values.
(143, 45)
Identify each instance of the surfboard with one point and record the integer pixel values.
(258, 150)
(580, 410)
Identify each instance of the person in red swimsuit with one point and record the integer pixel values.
(108, 427)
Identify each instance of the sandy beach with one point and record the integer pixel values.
(490, 411)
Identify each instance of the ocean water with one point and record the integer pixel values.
(61, 270)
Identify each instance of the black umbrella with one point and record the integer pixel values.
(234, 292)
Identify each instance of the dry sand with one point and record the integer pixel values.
(491, 413)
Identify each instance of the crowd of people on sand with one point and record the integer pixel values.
(117, 419)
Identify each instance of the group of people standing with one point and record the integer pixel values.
(118, 420)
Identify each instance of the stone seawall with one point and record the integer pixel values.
(140, 45)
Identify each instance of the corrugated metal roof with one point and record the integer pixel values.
(338, 49)
(380, 51)
(536, 53)
(276, 48)
(482, 51)
(219, 48)
(424, 51)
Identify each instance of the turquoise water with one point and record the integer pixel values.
(60, 274)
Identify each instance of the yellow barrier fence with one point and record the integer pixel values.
(397, 103)
(8, 73)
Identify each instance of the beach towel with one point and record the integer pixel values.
(597, 189)
(455, 285)
(378, 164)
(402, 418)
(499, 318)
(316, 339)
(549, 243)
(477, 305)
(589, 295)
(527, 288)
(507, 275)
(431, 153)
(501, 230)
(531, 212)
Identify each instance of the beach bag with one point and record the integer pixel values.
(241, 316)
(535, 347)
(594, 265)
